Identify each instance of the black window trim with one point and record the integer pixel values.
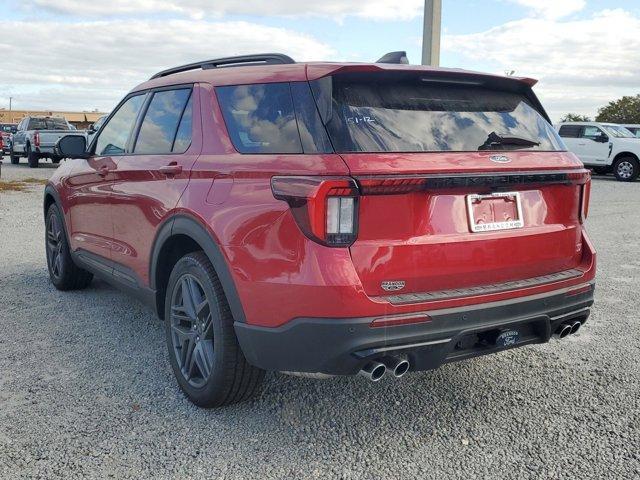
(143, 112)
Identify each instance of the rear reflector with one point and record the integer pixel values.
(403, 320)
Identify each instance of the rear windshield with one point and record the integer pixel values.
(365, 114)
(48, 124)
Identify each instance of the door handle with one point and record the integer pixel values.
(171, 169)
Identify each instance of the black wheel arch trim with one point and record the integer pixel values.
(182, 224)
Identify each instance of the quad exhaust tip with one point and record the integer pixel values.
(374, 371)
(567, 328)
(396, 365)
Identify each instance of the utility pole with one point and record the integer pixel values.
(431, 32)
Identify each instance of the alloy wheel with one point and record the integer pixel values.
(192, 330)
(54, 246)
(625, 169)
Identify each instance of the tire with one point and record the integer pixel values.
(64, 274)
(15, 159)
(626, 169)
(601, 170)
(203, 349)
(32, 157)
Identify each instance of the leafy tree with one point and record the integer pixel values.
(574, 117)
(624, 110)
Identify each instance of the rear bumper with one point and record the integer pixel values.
(344, 346)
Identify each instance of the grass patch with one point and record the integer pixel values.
(20, 185)
(12, 186)
(37, 181)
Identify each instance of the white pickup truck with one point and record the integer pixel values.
(605, 147)
(36, 137)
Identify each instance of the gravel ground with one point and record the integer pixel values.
(86, 388)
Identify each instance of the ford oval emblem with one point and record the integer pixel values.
(500, 158)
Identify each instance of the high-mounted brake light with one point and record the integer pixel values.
(325, 208)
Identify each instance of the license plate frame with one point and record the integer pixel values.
(494, 226)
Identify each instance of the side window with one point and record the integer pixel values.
(570, 131)
(159, 128)
(592, 132)
(114, 135)
(313, 135)
(260, 118)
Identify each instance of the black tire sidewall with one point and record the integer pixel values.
(212, 391)
(15, 159)
(636, 169)
(32, 157)
(64, 251)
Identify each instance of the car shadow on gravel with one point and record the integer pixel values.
(101, 341)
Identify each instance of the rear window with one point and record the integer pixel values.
(365, 113)
(48, 124)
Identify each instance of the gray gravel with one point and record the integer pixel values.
(86, 389)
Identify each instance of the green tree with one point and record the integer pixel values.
(574, 117)
(624, 110)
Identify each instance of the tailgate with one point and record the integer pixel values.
(429, 229)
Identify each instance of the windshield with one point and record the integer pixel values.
(365, 113)
(618, 132)
(8, 128)
(48, 124)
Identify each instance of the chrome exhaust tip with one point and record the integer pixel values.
(563, 330)
(374, 371)
(397, 365)
(575, 326)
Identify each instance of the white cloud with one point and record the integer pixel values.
(552, 8)
(92, 64)
(581, 64)
(373, 9)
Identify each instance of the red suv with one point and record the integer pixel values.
(327, 218)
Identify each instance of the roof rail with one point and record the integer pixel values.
(242, 60)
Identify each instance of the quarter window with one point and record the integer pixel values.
(166, 121)
(260, 118)
(114, 135)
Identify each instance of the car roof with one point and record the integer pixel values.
(291, 72)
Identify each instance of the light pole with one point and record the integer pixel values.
(431, 32)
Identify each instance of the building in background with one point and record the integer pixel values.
(80, 120)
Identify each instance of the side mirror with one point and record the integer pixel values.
(71, 146)
(91, 129)
(602, 139)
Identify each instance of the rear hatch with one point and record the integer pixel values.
(463, 181)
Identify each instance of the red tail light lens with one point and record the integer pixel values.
(585, 195)
(36, 139)
(325, 208)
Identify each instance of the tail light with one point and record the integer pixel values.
(325, 208)
(1, 144)
(585, 196)
(36, 139)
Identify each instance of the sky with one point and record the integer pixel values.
(86, 55)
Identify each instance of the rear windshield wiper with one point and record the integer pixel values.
(494, 141)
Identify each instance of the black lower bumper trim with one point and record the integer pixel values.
(344, 346)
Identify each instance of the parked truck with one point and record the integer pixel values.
(36, 137)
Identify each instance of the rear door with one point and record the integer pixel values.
(572, 137)
(461, 185)
(150, 179)
(594, 143)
